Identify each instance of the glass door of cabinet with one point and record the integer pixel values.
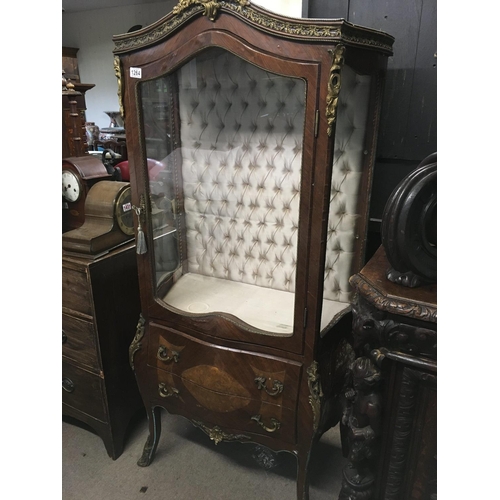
(223, 140)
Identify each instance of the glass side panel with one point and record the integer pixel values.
(224, 146)
(350, 133)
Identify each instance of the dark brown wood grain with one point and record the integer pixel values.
(79, 342)
(100, 308)
(391, 416)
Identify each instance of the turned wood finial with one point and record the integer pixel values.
(68, 86)
(64, 81)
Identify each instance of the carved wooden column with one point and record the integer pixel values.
(390, 417)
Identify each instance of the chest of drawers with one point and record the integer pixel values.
(100, 305)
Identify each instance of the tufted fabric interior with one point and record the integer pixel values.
(241, 133)
(350, 132)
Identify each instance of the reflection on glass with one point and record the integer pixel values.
(350, 132)
(224, 146)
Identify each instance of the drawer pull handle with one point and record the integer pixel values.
(162, 355)
(276, 389)
(167, 392)
(65, 337)
(275, 427)
(68, 385)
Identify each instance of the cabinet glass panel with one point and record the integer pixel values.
(224, 140)
(350, 133)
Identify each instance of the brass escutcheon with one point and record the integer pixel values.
(162, 355)
(166, 392)
(275, 427)
(276, 389)
(68, 384)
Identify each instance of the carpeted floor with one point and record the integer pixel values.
(188, 466)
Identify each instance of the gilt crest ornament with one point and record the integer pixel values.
(211, 6)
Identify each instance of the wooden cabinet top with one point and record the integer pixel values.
(371, 284)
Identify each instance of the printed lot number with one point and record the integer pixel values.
(136, 72)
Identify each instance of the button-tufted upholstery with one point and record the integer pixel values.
(346, 176)
(241, 132)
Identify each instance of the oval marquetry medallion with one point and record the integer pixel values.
(215, 389)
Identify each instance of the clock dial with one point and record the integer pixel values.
(71, 188)
(124, 212)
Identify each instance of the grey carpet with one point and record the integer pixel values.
(188, 466)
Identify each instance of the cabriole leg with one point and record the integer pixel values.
(148, 454)
(303, 476)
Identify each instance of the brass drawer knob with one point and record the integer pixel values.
(167, 392)
(274, 391)
(276, 424)
(163, 355)
(68, 384)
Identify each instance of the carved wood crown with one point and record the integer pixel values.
(337, 30)
(411, 309)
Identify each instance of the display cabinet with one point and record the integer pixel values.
(251, 142)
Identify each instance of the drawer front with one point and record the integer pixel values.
(76, 292)
(79, 341)
(228, 371)
(212, 408)
(83, 390)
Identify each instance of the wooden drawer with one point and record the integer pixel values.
(79, 341)
(83, 390)
(211, 407)
(76, 293)
(228, 371)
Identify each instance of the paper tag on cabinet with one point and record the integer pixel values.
(135, 72)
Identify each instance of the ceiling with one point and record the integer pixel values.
(81, 5)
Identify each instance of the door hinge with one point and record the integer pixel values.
(316, 123)
(305, 317)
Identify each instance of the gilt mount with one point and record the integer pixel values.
(136, 342)
(118, 74)
(321, 31)
(316, 393)
(216, 434)
(211, 6)
(334, 82)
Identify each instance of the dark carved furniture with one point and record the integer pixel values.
(100, 304)
(74, 137)
(390, 421)
(70, 64)
(409, 226)
(251, 142)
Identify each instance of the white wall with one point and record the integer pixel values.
(291, 8)
(92, 31)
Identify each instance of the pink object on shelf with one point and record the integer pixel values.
(154, 168)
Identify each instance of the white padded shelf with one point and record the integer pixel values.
(267, 309)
